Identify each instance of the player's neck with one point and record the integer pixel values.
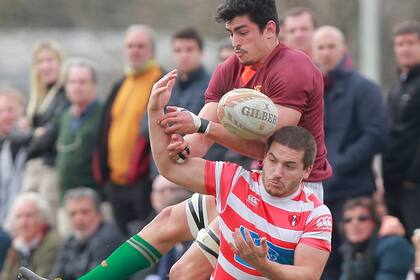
(270, 48)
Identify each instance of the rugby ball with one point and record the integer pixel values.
(247, 113)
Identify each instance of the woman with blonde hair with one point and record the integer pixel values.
(39, 129)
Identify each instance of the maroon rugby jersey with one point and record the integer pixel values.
(290, 79)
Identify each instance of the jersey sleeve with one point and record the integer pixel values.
(215, 88)
(219, 180)
(318, 229)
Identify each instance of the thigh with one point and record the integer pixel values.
(192, 265)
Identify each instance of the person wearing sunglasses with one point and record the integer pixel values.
(367, 255)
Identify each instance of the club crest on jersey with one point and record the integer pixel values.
(294, 220)
(258, 88)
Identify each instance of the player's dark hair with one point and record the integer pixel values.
(296, 138)
(259, 11)
(407, 27)
(189, 33)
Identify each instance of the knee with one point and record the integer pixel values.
(180, 270)
(165, 223)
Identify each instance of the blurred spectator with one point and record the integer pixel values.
(40, 128)
(78, 128)
(34, 242)
(416, 242)
(122, 153)
(401, 162)
(91, 239)
(225, 49)
(4, 246)
(165, 193)
(365, 254)
(12, 155)
(355, 130)
(298, 27)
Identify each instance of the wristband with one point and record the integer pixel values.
(203, 126)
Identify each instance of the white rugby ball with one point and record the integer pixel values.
(247, 113)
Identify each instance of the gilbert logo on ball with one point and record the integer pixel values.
(247, 113)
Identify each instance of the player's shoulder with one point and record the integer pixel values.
(290, 62)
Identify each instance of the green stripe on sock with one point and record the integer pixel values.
(133, 255)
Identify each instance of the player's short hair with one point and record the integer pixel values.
(259, 11)
(191, 34)
(296, 138)
(300, 10)
(407, 27)
(83, 192)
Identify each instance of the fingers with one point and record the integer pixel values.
(264, 245)
(164, 83)
(172, 117)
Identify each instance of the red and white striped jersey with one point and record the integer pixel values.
(242, 202)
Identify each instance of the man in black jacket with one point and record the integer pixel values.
(355, 130)
(401, 163)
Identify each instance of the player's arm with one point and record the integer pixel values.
(309, 261)
(309, 264)
(200, 143)
(190, 174)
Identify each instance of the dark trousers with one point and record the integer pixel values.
(130, 204)
(404, 203)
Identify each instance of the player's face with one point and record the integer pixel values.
(47, 66)
(84, 218)
(251, 45)
(80, 87)
(187, 55)
(407, 50)
(298, 31)
(138, 49)
(358, 225)
(283, 170)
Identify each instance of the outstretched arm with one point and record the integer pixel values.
(189, 174)
(182, 123)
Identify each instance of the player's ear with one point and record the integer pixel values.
(307, 171)
(270, 29)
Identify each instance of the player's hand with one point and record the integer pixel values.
(161, 91)
(248, 251)
(176, 146)
(177, 121)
